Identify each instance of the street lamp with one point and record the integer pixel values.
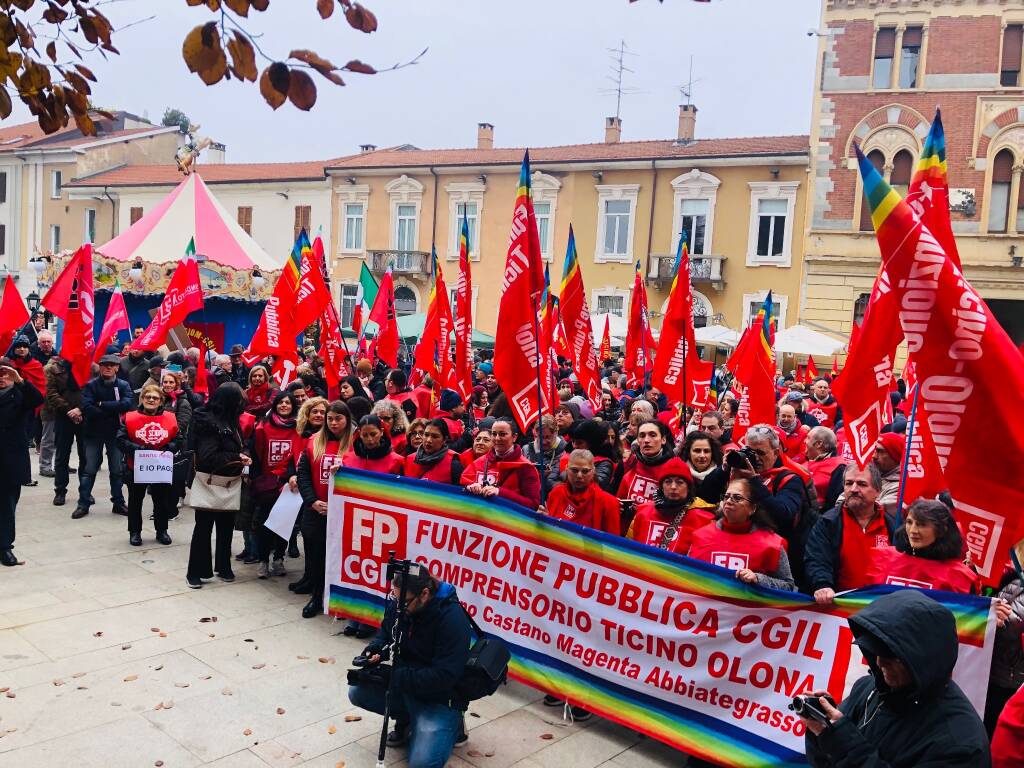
(32, 300)
(258, 281)
(38, 264)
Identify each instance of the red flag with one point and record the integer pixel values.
(811, 371)
(835, 366)
(275, 335)
(13, 314)
(71, 298)
(383, 314)
(184, 295)
(202, 386)
(517, 358)
(606, 340)
(311, 294)
(433, 352)
(753, 363)
(576, 329)
(332, 347)
(463, 318)
(925, 478)
(115, 321)
(639, 341)
(965, 364)
(548, 319)
(559, 345)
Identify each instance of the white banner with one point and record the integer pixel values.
(153, 467)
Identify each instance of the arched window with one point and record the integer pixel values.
(878, 160)
(999, 197)
(902, 172)
(405, 301)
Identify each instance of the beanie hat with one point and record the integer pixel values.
(449, 399)
(486, 367)
(893, 444)
(675, 467)
(22, 341)
(364, 367)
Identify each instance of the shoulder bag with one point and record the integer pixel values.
(213, 491)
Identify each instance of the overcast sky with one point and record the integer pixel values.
(537, 69)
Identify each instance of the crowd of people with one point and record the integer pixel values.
(784, 500)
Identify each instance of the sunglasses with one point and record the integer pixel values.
(734, 497)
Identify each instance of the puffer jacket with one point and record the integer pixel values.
(62, 391)
(931, 723)
(1008, 652)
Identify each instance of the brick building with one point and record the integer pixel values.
(883, 68)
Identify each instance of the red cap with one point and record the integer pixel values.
(893, 444)
(675, 467)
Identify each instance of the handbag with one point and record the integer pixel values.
(487, 665)
(213, 491)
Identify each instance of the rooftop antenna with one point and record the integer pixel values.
(686, 91)
(618, 69)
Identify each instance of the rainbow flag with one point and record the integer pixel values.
(928, 194)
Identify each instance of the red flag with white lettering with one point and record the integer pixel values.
(517, 356)
(383, 314)
(576, 329)
(606, 340)
(312, 294)
(965, 364)
(639, 341)
(71, 298)
(463, 318)
(184, 295)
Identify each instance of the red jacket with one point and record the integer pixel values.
(389, 464)
(755, 548)
(440, 472)
(890, 566)
(276, 447)
(821, 473)
(259, 399)
(648, 527)
(640, 480)
(825, 412)
(793, 443)
(1008, 739)
(593, 508)
(515, 476)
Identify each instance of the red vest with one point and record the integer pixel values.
(150, 432)
(275, 445)
(246, 425)
(401, 397)
(441, 472)
(821, 473)
(649, 527)
(391, 464)
(757, 550)
(593, 508)
(825, 414)
(890, 566)
(455, 426)
(640, 482)
(321, 470)
(503, 474)
(793, 444)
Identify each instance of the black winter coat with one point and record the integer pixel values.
(17, 407)
(434, 651)
(928, 725)
(103, 404)
(128, 446)
(821, 555)
(218, 446)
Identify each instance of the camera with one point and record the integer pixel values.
(738, 459)
(810, 708)
(407, 568)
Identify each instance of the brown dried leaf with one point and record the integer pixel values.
(78, 675)
(80, 84)
(312, 58)
(261, 665)
(207, 619)
(159, 763)
(280, 710)
(489, 754)
(475, 753)
(205, 677)
(131, 678)
(9, 694)
(360, 18)
(182, 685)
(157, 669)
(547, 736)
(85, 124)
(358, 66)
(331, 729)
(85, 72)
(5, 104)
(325, 8)
(226, 692)
(241, 7)
(340, 764)
(97, 634)
(353, 718)
(126, 646)
(58, 682)
(243, 66)
(203, 54)
(169, 704)
(259, 5)
(326, 659)
(247, 732)
(274, 83)
(162, 634)
(154, 629)
(302, 658)
(51, 51)
(159, 706)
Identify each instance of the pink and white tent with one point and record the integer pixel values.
(189, 211)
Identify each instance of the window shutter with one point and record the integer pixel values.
(885, 43)
(902, 168)
(912, 37)
(1002, 168)
(134, 214)
(1013, 42)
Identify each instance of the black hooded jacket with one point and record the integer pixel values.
(931, 723)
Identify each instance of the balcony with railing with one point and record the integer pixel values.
(703, 270)
(408, 263)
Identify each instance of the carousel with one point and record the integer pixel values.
(236, 273)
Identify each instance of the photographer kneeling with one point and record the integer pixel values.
(433, 652)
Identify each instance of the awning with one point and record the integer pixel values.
(801, 340)
(716, 335)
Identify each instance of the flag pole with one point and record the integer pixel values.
(906, 456)
(540, 404)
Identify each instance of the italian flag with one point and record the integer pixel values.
(365, 296)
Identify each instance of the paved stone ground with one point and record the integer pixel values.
(107, 659)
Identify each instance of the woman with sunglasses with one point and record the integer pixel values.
(395, 422)
(414, 436)
(744, 540)
(150, 428)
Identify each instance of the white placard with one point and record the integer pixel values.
(154, 467)
(284, 513)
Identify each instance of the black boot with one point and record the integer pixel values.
(293, 544)
(399, 737)
(7, 558)
(135, 539)
(314, 607)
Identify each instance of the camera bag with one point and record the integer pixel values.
(486, 667)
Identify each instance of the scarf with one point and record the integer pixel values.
(667, 506)
(278, 421)
(657, 459)
(697, 474)
(745, 527)
(379, 452)
(429, 459)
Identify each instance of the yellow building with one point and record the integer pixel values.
(740, 200)
(882, 71)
